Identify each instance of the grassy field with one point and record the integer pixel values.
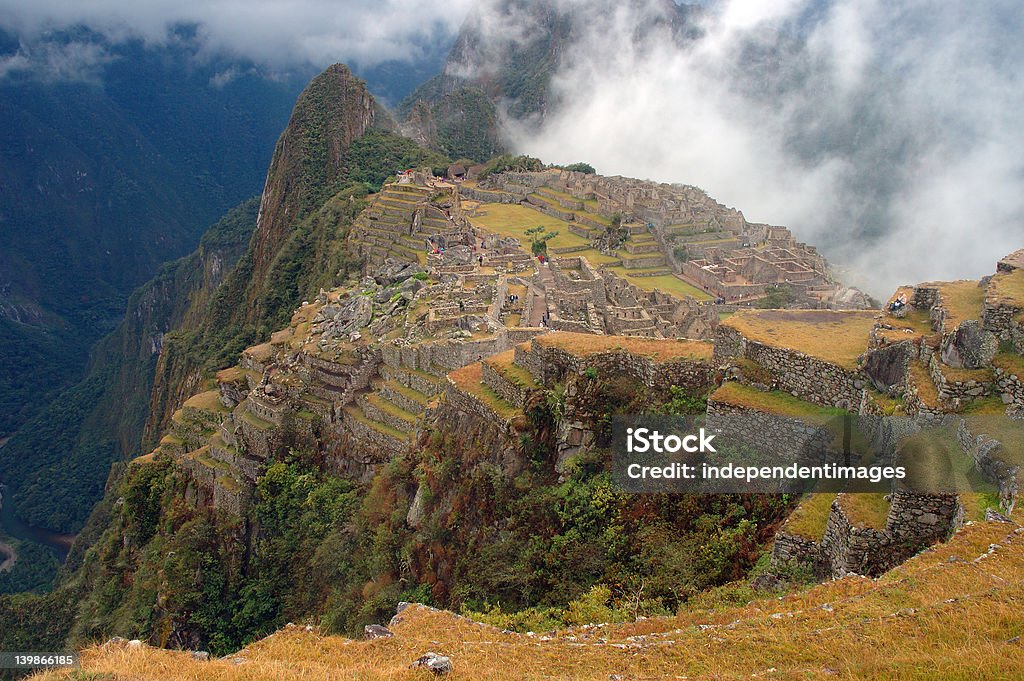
(774, 402)
(936, 462)
(808, 520)
(583, 344)
(513, 220)
(1011, 362)
(668, 283)
(962, 300)
(922, 380)
(835, 337)
(865, 509)
(944, 614)
(1009, 286)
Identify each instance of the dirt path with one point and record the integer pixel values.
(540, 298)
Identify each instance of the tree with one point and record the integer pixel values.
(777, 296)
(539, 238)
(581, 168)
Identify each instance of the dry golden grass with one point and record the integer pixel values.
(662, 350)
(962, 300)
(1009, 287)
(469, 379)
(206, 401)
(1010, 362)
(837, 337)
(952, 612)
(504, 364)
(865, 509)
(922, 380)
(774, 402)
(959, 375)
(808, 520)
(261, 353)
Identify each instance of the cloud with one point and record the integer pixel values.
(51, 62)
(270, 32)
(889, 133)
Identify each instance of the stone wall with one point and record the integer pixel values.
(514, 394)
(1010, 387)
(768, 432)
(550, 365)
(461, 401)
(803, 376)
(791, 549)
(915, 521)
(985, 450)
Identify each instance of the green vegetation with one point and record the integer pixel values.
(539, 238)
(777, 296)
(810, 517)
(667, 283)
(66, 451)
(376, 156)
(507, 162)
(773, 402)
(579, 168)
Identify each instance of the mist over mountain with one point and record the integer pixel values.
(878, 131)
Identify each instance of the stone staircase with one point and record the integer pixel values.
(394, 404)
(394, 225)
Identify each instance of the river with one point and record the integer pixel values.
(12, 526)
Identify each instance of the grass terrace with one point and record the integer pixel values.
(773, 402)
(662, 350)
(469, 379)
(865, 509)
(667, 283)
(513, 220)
(809, 519)
(1009, 287)
(835, 337)
(916, 322)
(961, 375)
(504, 364)
(551, 191)
(356, 414)
(206, 401)
(922, 380)
(1010, 432)
(263, 352)
(936, 463)
(255, 421)
(962, 300)
(1010, 362)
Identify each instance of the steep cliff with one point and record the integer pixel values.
(57, 465)
(336, 147)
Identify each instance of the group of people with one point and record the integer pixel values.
(899, 304)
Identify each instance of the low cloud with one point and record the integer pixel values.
(271, 33)
(888, 133)
(53, 62)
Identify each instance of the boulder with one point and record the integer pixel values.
(970, 346)
(438, 664)
(372, 631)
(395, 271)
